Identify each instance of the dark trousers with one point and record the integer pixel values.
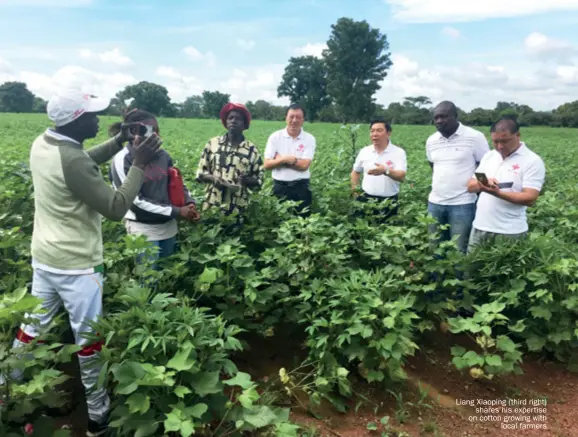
(383, 209)
(297, 191)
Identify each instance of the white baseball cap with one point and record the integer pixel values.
(66, 107)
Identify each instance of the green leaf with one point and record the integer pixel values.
(535, 343)
(198, 410)
(241, 379)
(209, 275)
(129, 372)
(248, 396)
(181, 391)
(389, 340)
(205, 383)
(541, 312)
(389, 322)
(138, 402)
(473, 359)
(260, 417)
(147, 429)
(173, 421)
(458, 351)
(180, 360)
(187, 428)
(286, 429)
(372, 426)
(494, 360)
(505, 344)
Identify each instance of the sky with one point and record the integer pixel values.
(525, 51)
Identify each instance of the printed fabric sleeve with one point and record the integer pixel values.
(121, 167)
(257, 168)
(204, 166)
(310, 150)
(104, 152)
(481, 147)
(270, 148)
(84, 179)
(534, 176)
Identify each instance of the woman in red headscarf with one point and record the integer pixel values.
(231, 165)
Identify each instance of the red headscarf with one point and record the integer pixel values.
(235, 106)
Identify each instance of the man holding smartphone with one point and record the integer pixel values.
(453, 152)
(509, 179)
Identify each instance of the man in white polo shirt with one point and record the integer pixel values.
(453, 152)
(514, 176)
(289, 153)
(384, 166)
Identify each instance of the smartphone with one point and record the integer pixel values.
(145, 130)
(505, 185)
(482, 178)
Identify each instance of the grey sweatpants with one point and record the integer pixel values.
(477, 236)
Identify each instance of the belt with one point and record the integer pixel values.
(291, 183)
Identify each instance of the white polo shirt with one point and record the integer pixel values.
(303, 147)
(382, 185)
(526, 170)
(454, 161)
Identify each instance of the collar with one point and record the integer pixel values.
(388, 148)
(287, 135)
(459, 131)
(522, 150)
(224, 139)
(53, 134)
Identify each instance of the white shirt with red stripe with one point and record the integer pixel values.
(383, 186)
(454, 160)
(526, 170)
(303, 147)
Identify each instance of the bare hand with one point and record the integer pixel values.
(125, 133)
(247, 180)
(491, 187)
(189, 212)
(146, 150)
(379, 170)
(233, 187)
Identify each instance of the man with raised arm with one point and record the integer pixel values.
(70, 199)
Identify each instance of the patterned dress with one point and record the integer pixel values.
(220, 158)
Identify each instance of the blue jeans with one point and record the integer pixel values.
(166, 248)
(460, 219)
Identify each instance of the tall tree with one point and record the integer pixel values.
(305, 82)
(357, 62)
(16, 97)
(147, 96)
(214, 101)
(193, 107)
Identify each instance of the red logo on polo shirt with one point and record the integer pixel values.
(389, 163)
(515, 167)
(300, 148)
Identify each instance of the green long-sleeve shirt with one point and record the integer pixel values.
(70, 198)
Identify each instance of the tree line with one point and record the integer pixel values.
(337, 87)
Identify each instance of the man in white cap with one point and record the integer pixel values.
(70, 198)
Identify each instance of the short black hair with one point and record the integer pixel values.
(295, 106)
(375, 120)
(450, 105)
(508, 124)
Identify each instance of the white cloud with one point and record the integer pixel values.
(538, 44)
(114, 56)
(71, 76)
(451, 32)
(5, 66)
(179, 86)
(447, 11)
(310, 49)
(245, 44)
(196, 56)
(258, 83)
(479, 84)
